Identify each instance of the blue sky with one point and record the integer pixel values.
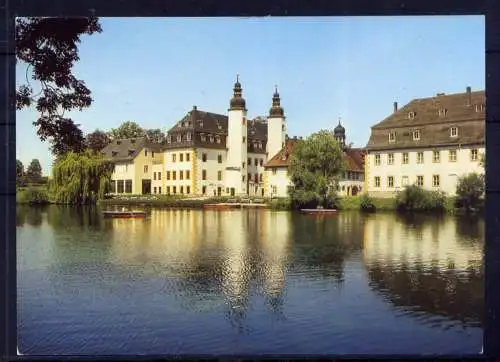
(153, 70)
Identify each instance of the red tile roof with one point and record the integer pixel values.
(282, 158)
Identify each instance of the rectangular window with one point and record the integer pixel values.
(181, 175)
(416, 135)
(420, 157)
(204, 157)
(174, 190)
(404, 181)
(390, 159)
(420, 181)
(390, 181)
(159, 175)
(274, 189)
(159, 189)
(452, 156)
(261, 162)
(219, 158)
(188, 190)
(188, 157)
(243, 165)
(154, 175)
(182, 189)
(174, 157)
(436, 156)
(152, 154)
(377, 160)
(377, 181)
(145, 152)
(154, 190)
(244, 139)
(168, 175)
(188, 174)
(392, 137)
(203, 190)
(168, 190)
(473, 155)
(260, 177)
(181, 157)
(243, 178)
(435, 180)
(256, 178)
(256, 162)
(128, 186)
(274, 171)
(405, 158)
(174, 176)
(249, 162)
(219, 175)
(113, 186)
(453, 132)
(119, 186)
(145, 168)
(203, 174)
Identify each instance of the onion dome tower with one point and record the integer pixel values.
(339, 134)
(276, 109)
(237, 102)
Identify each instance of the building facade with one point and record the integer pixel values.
(351, 181)
(430, 142)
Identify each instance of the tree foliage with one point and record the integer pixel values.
(48, 47)
(470, 191)
(34, 169)
(315, 166)
(81, 178)
(19, 169)
(155, 136)
(414, 198)
(97, 140)
(128, 129)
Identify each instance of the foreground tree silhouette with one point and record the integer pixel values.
(315, 166)
(48, 47)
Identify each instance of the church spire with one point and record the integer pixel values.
(276, 110)
(237, 102)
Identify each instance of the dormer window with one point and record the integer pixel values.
(200, 123)
(189, 123)
(217, 139)
(411, 115)
(416, 135)
(442, 112)
(283, 158)
(169, 139)
(114, 153)
(188, 136)
(453, 131)
(479, 107)
(185, 124)
(179, 138)
(219, 126)
(203, 137)
(260, 145)
(130, 152)
(118, 142)
(211, 139)
(392, 137)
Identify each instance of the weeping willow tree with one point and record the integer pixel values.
(80, 178)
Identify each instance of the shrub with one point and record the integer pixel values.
(414, 198)
(282, 203)
(301, 199)
(470, 190)
(36, 196)
(366, 203)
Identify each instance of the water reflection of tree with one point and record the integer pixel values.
(30, 215)
(322, 244)
(81, 219)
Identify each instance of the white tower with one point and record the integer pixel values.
(276, 127)
(236, 167)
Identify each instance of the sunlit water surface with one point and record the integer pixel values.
(247, 282)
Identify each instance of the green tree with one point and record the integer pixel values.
(470, 191)
(128, 129)
(34, 170)
(80, 178)
(19, 169)
(315, 166)
(48, 48)
(155, 136)
(97, 140)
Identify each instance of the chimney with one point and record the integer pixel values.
(395, 107)
(194, 108)
(440, 94)
(469, 96)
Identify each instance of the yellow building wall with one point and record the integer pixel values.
(141, 173)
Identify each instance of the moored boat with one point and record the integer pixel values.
(318, 211)
(124, 214)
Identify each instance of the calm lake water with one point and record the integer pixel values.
(247, 282)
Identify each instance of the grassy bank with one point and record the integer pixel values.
(354, 203)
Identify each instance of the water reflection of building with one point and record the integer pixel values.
(427, 266)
